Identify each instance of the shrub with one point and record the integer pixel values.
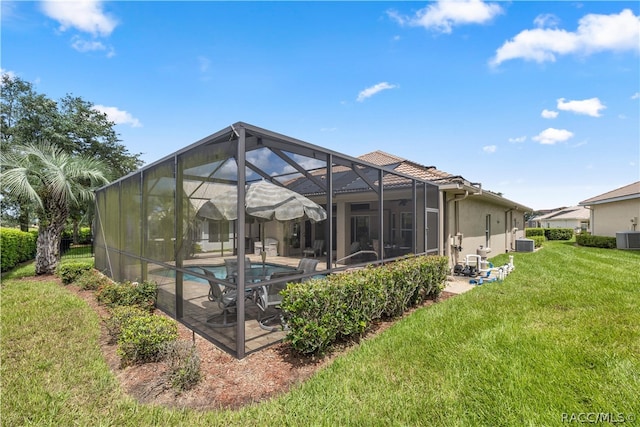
(142, 294)
(538, 240)
(183, 364)
(84, 235)
(558, 233)
(71, 270)
(586, 239)
(142, 338)
(15, 247)
(322, 311)
(120, 317)
(92, 280)
(532, 232)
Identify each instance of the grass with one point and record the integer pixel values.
(28, 269)
(560, 336)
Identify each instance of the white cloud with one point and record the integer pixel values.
(551, 136)
(518, 139)
(118, 116)
(590, 107)
(595, 33)
(444, 15)
(86, 16)
(549, 114)
(370, 91)
(489, 148)
(546, 20)
(82, 45)
(635, 95)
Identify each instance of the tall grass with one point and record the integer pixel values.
(560, 336)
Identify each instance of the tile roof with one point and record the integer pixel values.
(627, 192)
(429, 173)
(407, 167)
(572, 212)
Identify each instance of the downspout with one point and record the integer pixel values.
(451, 244)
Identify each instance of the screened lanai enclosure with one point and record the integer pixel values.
(223, 222)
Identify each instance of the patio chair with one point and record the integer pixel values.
(354, 249)
(231, 265)
(269, 296)
(226, 299)
(307, 265)
(315, 250)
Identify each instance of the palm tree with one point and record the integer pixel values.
(55, 181)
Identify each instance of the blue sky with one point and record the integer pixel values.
(537, 100)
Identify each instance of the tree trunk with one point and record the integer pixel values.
(48, 250)
(75, 231)
(49, 235)
(23, 218)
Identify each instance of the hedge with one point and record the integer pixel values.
(15, 247)
(558, 233)
(532, 232)
(550, 233)
(322, 311)
(585, 239)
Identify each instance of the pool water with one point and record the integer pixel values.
(219, 271)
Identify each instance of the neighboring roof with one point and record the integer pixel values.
(631, 191)
(444, 180)
(408, 167)
(572, 212)
(380, 158)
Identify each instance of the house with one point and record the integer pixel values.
(574, 217)
(615, 211)
(471, 217)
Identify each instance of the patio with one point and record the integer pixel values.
(198, 308)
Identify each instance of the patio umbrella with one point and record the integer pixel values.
(270, 201)
(264, 201)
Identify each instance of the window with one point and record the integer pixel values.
(218, 231)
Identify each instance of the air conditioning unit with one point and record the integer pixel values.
(628, 240)
(525, 245)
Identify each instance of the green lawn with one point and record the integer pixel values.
(561, 335)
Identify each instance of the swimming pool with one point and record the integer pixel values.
(220, 271)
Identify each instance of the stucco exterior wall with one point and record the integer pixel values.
(505, 226)
(609, 218)
(574, 224)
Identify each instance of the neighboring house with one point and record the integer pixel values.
(575, 217)
(471, 216)
(615, 211)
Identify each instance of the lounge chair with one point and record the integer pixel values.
(315, 250)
